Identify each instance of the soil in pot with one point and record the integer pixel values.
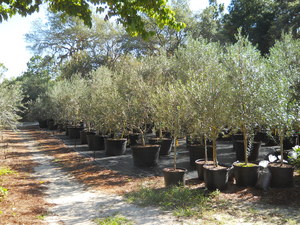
(198, 152)
(253, 151)
(74, 132)
(215, 177)
(145, 156)
(96, 142)
(282, 175)
(114, 147)
(245, 175)
(174, 177)
(199, 167)
(165, 144)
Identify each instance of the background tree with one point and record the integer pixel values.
(128, 13)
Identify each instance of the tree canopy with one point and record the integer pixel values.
(128, 13)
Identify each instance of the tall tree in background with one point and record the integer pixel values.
(128, 13)
(263, 21)
(208, 23)
(36, 79)
(78, 48)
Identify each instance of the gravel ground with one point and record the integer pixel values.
(75, 204)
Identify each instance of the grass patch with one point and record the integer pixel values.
(114, 220)
(3, 192)
(40, 217)
(182, 201)
(6, 171)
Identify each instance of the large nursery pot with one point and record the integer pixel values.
(74, 132)
(215, 177)
(245, 175)
(174, 177)
(43, 123)
(253, 152)
(165, 144)
(282, 175)
(51, 124)
(95, 141)
(197, 151)
(114, 147)
(83, 136)
(199, 167)
(145, 156)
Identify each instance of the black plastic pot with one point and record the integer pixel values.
(83, 136)
(133, 139)
(253, 152)
(174, 177)
(165, 144)
(96, 142)
(115, 147)
(245, 175)
(199, 167)
(198, 152)
(282, 176)
(145, 156)
(165, 134)
(74, 132)
(196, 141)
(51, 124)
(215, 177)
(43, 123)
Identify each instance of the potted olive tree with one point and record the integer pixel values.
(212, 89)
(171, 100)
(136, 96)
(248, 87)
(283, 74)
(208, 94)
(154, 72)
(107, 114)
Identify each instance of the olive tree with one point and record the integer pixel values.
(245, 70)
(209, 92)
(170, 100)
(10, 105)
(283, 77)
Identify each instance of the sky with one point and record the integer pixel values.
(13, 52)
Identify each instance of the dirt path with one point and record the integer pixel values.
(75, 204)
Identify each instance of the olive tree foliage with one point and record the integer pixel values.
(246, 69)
(172, 109)
(128, 13)
(208, 89)
(10, 105)
(107, 109)
(283, 73)
(65, 98)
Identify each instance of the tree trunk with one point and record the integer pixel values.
(215, 151)
(175, 152)
(205, 148)
(281, 137)
(245, 145)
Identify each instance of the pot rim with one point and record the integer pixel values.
(177, 168)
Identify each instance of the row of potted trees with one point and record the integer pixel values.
(232, 88)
